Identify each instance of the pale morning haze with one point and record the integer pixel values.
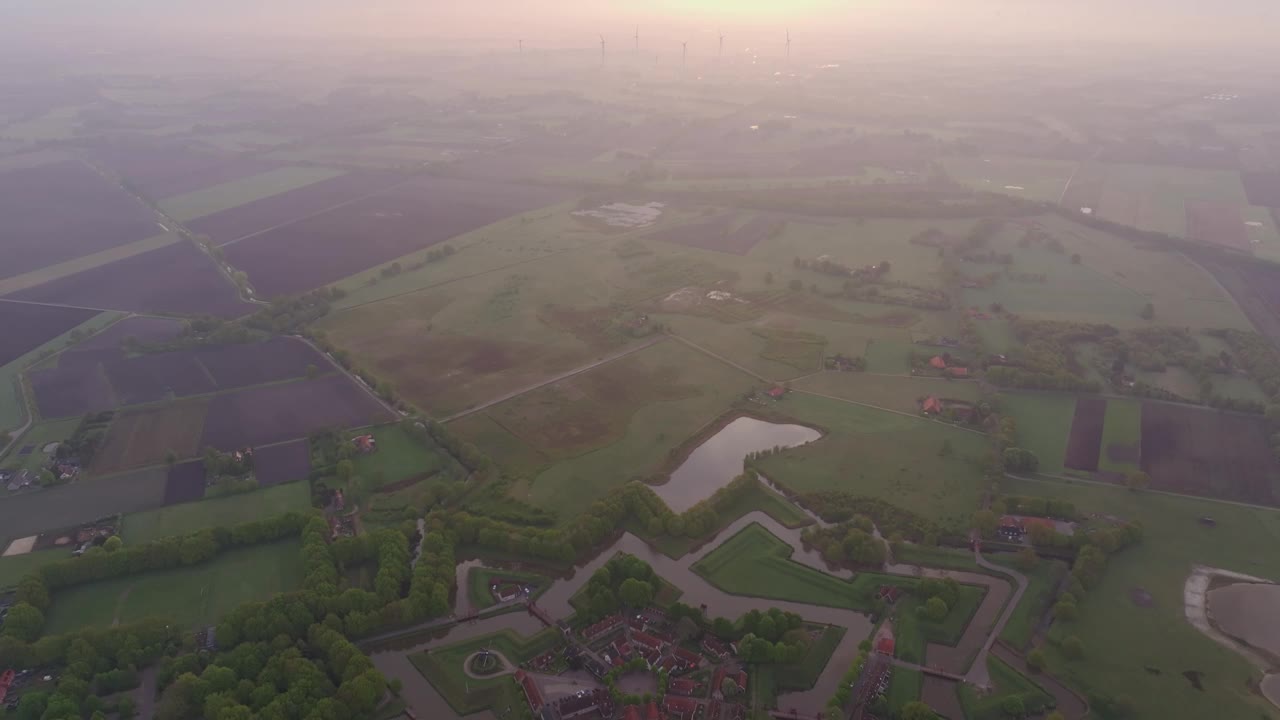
(639, 360)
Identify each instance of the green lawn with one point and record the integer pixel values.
(399, 457)
(1044, 424)
(1123, 640)
(889, 357)
(1008, 682)
(15, 567)
(143, 527)
(880, 454)
(192, 596)
(12, 405)
(904, 687)
(755, 563)
(1122, 426)
(444, 669)
(1041, 584)
(480, 578)
(224, 196)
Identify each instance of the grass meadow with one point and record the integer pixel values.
(911, 462)
(185, 518)
(1141, 652)
(192, 596)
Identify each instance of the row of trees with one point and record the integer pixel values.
(837, 506)
(848, 544)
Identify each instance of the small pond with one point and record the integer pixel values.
(718, 460)
(1249, 611)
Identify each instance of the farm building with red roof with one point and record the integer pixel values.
(682, 708)
(631, 713)
(531, 692)
(938, 362)
(651, 712)
(931, 405)
(958, 372)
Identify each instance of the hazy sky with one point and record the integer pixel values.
(1193, 22)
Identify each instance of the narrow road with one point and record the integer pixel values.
(350, 376)
(978, 674)
(83, 307)
(145, 695)
(1070, 703)
(721, 358)
(562, 376)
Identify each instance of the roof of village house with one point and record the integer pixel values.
(958, 371)
(932, 405)
(938, 362)
(651, 712)
(777, 391)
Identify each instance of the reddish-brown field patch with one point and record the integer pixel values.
(1203, 452)
(145, 436)
(282, 463)
(1218, 224)
(1084, 445)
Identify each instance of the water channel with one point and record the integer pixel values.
(718, 460)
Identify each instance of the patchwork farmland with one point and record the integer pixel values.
(416, 214)
(39, 230)
(27, 327)
(1197, 452)
(177, 278)
(274, 413)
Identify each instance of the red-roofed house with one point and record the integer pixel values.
(958, 372)
(686, 656)
(6, 680)
(1026, 523)
(884, 645)
(631, 713)
(682, 708)
(931, 405)
(531, 692)
(938, 362)
(365, 443)
(646, 639)
(742, 680)
(651, 712)
(777, 391)
(682, 686)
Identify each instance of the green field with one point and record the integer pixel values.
(480, 578)
(904, 687)
(144, 527)
(1042, 582)
(1008, 682)
(443, 668)
(1031, 178)
(31, 513)
(207, 201)
(15, 567)
(193, 596)
(882, 454)
(912, 632)
(605, 426)
(13, 408)
(400, 457)
(894, 393)
(1044, 424)
(1122, 426)
(1111, 283)
(888, 357)
(804, 675)
(755, 563)
(1123, 640)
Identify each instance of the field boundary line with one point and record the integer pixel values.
(550, 381)
(1049, 479)
(331, 208)
(128, 313)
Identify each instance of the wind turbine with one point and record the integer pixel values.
(521, 42)
(721, 55)
(684, 53)
(637, 38)
(602, 49)
(788, 44)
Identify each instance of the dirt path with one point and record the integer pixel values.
(120, 600)
(507, 666)
(145, 695)
(562, 376)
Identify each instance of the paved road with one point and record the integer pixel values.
(978, 674)
(650, 342)
(145, 694)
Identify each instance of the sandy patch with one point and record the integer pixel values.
(21, 546)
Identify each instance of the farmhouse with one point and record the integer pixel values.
(931, 406)
(682, 708)
(958, 372)
(777, 391)
(938, 363)
(365, 444)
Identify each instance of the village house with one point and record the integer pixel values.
(365, 444)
